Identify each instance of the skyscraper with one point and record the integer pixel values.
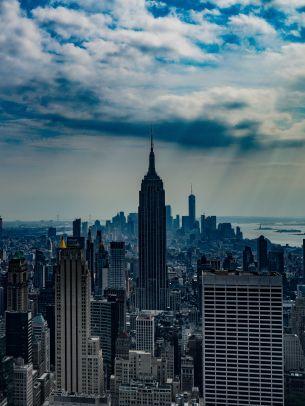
(303, 261)
(106, 324)
(117, 266)
(17, 284)
(153, 281)
(41, 333)
(169, 218)
(72, 317)
(192, 209)
(262, 253)
(101, 264)
(17, 317)
(77, 228)
(145, 333)
(90, 258)
(248, 258)
(242, 339)
(40, 270)
(19, 335)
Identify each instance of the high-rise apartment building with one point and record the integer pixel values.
(72, 318)
(242, 339)
(117, 266)
(153, 281)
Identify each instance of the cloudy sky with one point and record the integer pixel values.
(221, 81)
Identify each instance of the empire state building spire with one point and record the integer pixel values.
(152, 168)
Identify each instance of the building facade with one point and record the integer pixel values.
(242, 339)
(117, 266)
(75, 360)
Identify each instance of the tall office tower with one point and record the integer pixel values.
(41, 333)
(145, 333)
(132, 224)
(304, 260)
(192, 209)
(186, 227)
(17, 317)
(105, 324)
(248, 259)
(242, 339)
(262, 253)
(153, 280)
(276, 261)
(297, 320)
(176, 222)
(101, 269)
(19, 335)
(77, 228)
(50, 318)
(95, 367)
(117, 266)
(84, 228)
(17, 284)
(294, 354)
(23, 383)
(90, 258)
(72, 318)
(169, 218)
(40, 270)
(118, 296)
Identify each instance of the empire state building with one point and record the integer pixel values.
(152, 282)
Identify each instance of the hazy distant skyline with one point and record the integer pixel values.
(222, 82)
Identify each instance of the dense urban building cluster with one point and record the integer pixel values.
(149, 309)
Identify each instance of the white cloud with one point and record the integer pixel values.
(251, 27)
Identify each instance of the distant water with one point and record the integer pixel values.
(250, 226)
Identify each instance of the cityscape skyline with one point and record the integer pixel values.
(150, 308)
(209, 195)
(152, 222)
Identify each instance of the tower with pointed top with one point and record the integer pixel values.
(153, 281)
(192, 209)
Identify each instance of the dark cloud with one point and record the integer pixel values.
(234, 105)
